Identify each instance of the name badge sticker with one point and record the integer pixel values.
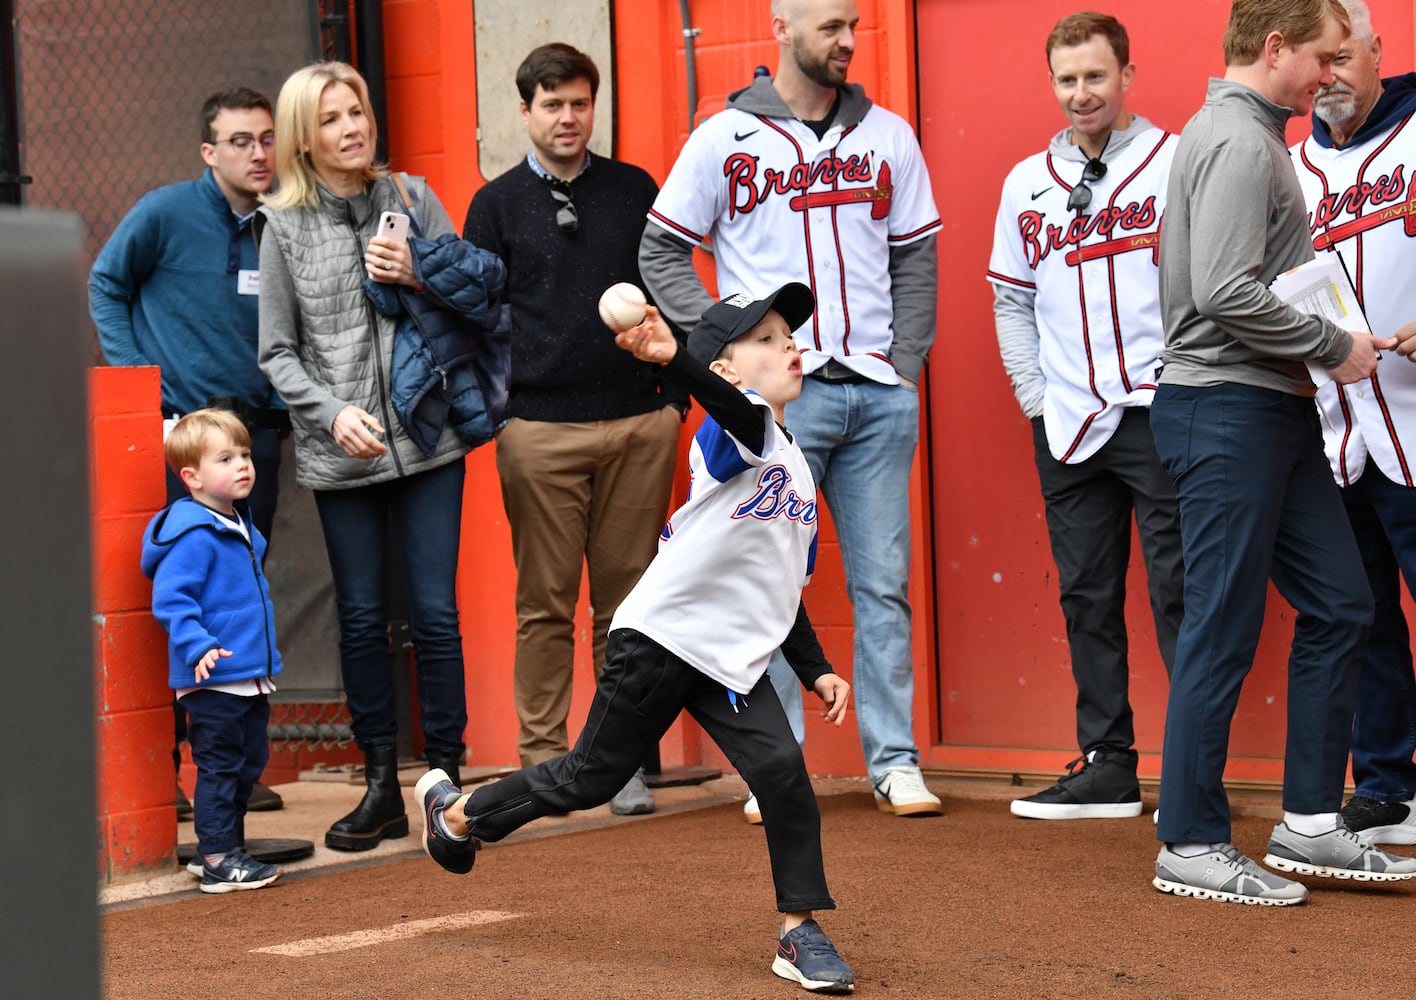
(248, 283)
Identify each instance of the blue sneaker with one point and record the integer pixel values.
(235, 871)
(807, 955)
(435, 792)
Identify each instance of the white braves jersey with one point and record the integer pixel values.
(1097, 281)
(1362, 204)
(723, 591)
(782, 205)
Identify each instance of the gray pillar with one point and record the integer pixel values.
(48, 848)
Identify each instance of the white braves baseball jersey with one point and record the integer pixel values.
(1362, 204)
(782, 205)
(1097, 283)
(723, 591)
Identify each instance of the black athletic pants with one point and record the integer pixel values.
(641, 692)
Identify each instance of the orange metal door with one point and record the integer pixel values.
(1004, 675)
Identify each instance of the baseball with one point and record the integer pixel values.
(622, 306)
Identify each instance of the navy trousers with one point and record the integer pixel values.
(1383, 517)
(1257, 502)
(229, 746)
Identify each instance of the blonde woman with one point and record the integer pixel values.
(329, 355)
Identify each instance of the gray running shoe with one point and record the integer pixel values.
(1225, 874)
(634, 799)
(1339, 853)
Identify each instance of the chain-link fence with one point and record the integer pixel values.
(109, 96)
(110, 93)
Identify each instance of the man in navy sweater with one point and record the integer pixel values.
(175, 286)
(586, 459)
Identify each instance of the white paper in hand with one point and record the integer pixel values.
(1321, 288)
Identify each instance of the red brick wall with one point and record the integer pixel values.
(137, 824)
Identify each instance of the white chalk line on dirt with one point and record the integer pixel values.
(382, 935)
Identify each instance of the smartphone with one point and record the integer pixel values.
(394, 226)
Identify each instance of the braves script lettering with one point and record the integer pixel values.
(1387, 188)
(746, 191)
(1040, 240)
(776, 498)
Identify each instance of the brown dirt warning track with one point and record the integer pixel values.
(975, 904)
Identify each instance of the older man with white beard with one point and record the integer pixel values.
(1357, 177)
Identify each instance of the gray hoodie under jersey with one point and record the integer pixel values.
(1235, 220)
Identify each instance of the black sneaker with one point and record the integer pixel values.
(435, 792)
(1104, 787)
(1381, 822)
(805, 954)
(235, 871)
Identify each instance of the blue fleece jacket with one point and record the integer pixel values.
(208, 590)
(165, 291)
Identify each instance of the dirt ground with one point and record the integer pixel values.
(974, 904)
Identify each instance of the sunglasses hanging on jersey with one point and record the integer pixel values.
(1081, 197)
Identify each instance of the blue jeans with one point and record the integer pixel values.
(1257, 500)
(230, 750)
(1383, 517)
(859, 439)
(422, 515)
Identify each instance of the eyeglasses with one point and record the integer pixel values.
(244, 142)
(1081, 195)
(566, 217)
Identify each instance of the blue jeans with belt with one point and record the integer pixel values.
(1383, 517)
(1257, 501)
(422, 515)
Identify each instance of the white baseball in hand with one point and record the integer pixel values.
(622, 306)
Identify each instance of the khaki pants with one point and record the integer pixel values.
(594, 493)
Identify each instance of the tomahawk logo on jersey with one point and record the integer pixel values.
(771, 195)
(1096, 283)
(1362, 205)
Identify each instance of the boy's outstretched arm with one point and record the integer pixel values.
(652, 340)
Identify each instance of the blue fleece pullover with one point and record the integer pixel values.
(164, 291)
(208, 590)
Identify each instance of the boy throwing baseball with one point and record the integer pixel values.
(697, 631)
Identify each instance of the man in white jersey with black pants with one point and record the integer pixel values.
(803, 179)
(1357, 177)
(1077, 308)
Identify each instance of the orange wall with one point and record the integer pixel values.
(431, 127)
(1003, 659)
(993, 686)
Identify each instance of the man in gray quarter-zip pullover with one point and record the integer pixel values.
(1235, 426)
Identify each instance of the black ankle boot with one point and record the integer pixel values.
(450, 763)
(380, 814)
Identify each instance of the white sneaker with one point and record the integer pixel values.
(750, 812)
(901, 790)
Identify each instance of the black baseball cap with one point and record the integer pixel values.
(726, 321)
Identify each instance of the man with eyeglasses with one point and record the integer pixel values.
(175, 286)
(1359, 165)
(1077, 312)
(586, 458)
